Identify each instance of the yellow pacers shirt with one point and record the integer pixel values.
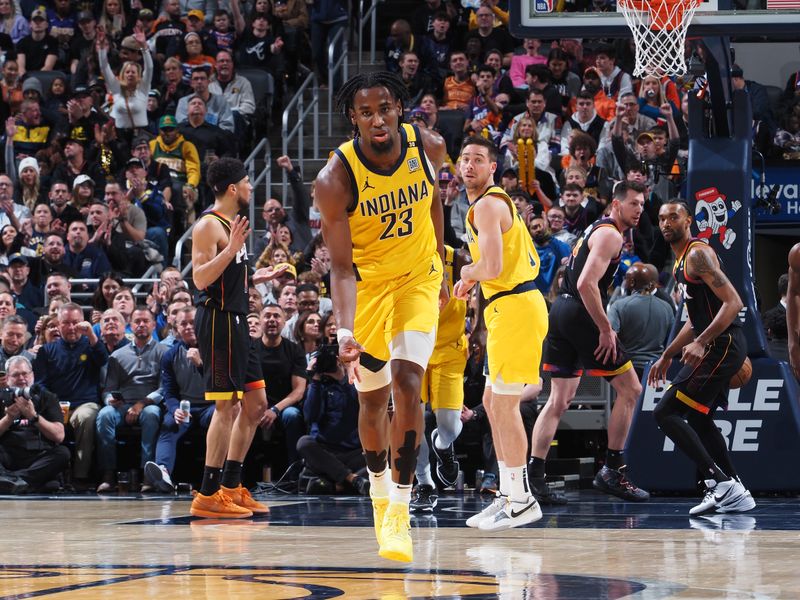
(520, 259)
(390, 218)
(450, 331)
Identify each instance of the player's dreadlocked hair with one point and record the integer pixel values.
(365, 81)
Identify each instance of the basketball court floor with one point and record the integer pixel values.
(597, 547)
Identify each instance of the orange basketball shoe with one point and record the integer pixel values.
(217, 506)
(240, 496)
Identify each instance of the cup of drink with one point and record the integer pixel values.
(64, 410)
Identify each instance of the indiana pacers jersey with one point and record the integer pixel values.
(390, 217)
(520, 259)
(450, 336)
(230, 291)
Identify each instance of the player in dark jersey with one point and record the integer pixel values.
(713, 349)
(793, 309)
(232, 373)
(581, 340)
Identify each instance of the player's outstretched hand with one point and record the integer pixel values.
(349, 352)
(240, 229)
(462, 288)
(658, 372)
(606, 351)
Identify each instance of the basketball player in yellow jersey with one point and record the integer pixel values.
(443, 387)
(505, 262)
(383, 223)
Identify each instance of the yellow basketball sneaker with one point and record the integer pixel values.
(396, 542)
(379, 506)
(240, 496)
(217, 506)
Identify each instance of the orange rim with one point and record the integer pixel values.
(664, 14)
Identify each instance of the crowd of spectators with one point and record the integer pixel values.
(125, 104)
(112, 113)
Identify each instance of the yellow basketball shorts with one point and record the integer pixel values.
(386, 308)
(516, 326)
(443, 382)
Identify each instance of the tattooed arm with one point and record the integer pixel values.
(702, 263)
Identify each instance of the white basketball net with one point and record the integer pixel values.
(659, 30)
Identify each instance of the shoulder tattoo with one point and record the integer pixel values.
(701, 265)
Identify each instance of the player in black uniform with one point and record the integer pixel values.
(713, 349)
(581, 340)
(232, 373)
(793, 310)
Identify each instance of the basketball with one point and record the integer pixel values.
(743, 376)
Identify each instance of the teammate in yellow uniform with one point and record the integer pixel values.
(383, 223)
(506, 263)
(443, 387)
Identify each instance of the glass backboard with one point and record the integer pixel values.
(601, 18)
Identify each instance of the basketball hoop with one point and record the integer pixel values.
(659, 31)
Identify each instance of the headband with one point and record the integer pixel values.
(236, 176)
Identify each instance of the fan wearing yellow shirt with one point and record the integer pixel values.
(505, 263)
(383, 223)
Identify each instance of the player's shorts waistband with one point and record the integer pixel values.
(217, 309)
(520, 288)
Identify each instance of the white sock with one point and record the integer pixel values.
(518, 482)
(505, 483)
(379, 483)
(400, 494)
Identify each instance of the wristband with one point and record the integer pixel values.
(276, 410)
(342, 333)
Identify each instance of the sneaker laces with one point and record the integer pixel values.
(226, 500)
(397, 524)
(626, 483)
(709, 495)
(499, 502)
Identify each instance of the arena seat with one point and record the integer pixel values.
(264, 90)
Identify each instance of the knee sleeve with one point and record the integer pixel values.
(668, 405)
(448, 425)
(371, 381)
(413, 346)
(702, 422)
